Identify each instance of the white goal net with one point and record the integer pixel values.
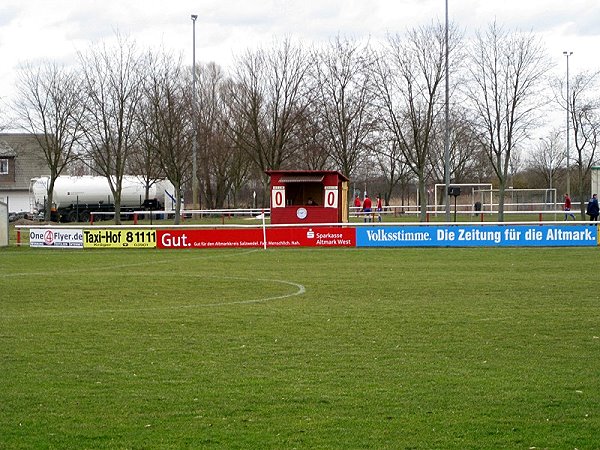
(469, 195)
(519, 199)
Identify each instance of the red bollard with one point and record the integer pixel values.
(482, 217)
(135, 218)
(19, 237)
(91, 218)
(541, 220)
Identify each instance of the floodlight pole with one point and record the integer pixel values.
(447, 133)
(195, 187)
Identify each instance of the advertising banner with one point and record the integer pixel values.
(253, 237)
(55, 238)
(478, 236)
(134, 238)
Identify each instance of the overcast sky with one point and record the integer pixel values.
(57, 29)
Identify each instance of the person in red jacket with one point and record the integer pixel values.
(367, 206)
(567, 208)
(357, 205)
(379, 207)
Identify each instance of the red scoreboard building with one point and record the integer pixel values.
(308, 196)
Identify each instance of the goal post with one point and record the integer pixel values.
(467, 189)
(525, 199)
(540, 199)
(3, 224)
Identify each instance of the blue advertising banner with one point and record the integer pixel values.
(477, 236)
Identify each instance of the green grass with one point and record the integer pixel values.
(300, 348)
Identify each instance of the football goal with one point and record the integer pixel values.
(519, 199)
(469, 195)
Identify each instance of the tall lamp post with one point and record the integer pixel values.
(194, 120)
(567, 54)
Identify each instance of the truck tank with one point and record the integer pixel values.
(93, 192)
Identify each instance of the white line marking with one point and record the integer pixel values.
(300, 290)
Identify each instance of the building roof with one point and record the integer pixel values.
(308, 175)
(6, 151)
(28, 158)
(301, 178)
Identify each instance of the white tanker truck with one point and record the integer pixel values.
(74, 198)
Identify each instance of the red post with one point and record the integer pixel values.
(135, 218)
(427, 217)
(482, 217)
(541, 219)
(91, 218)
(18, 236)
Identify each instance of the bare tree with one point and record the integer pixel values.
(514, 166)
(239, 171)
(547, 159)
(505, 90)
(344, 97)
(165, 118)
(410, 74)
(49, 105)
(268, 102)
(113, 84)
(393, 167)
(313, 152)
(144, 161)
(224, 166)
(584, 104)
(465, 150)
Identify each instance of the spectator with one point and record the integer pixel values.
(366, 206)
(593, 209)
(567, 208)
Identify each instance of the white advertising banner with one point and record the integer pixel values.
(56, 238)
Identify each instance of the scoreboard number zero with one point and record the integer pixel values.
(331, 197)
(278, 197)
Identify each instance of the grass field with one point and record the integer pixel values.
(300, 348)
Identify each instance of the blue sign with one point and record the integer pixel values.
(477, 236)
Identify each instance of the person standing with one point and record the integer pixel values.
(379, 207)
(367, 208)
(593, 210)
(357, 205)
(567, 208)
